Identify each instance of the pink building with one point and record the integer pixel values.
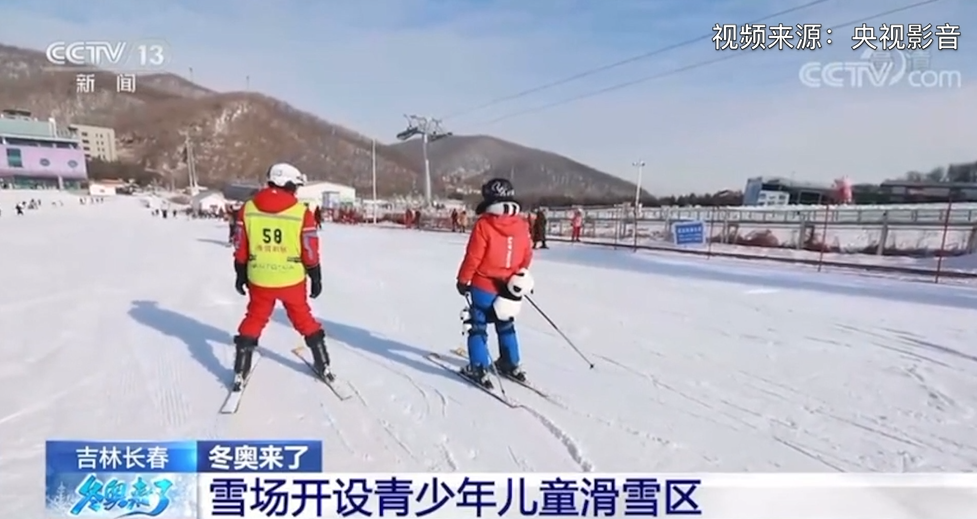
(52, 160)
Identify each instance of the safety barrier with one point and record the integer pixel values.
(954, 238)
(873, 237)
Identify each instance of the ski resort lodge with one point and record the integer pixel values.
(39, 154)
(326, 194)
(316, 194)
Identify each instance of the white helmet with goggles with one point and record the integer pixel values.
(283, 174)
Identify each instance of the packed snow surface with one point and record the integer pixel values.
(118, 325)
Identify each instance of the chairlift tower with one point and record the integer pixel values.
(430, 130)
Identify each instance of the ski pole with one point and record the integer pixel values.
(559, 331)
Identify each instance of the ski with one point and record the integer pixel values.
(236, 391)
(329, 380)
(460, 352)
(440, 361)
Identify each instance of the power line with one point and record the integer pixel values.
(626, 61)
(685, 68)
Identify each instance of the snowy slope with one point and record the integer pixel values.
(114, 324)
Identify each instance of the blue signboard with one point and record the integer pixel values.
(689, 233)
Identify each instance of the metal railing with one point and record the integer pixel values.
(860, 214)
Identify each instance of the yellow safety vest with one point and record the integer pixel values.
(274, 246)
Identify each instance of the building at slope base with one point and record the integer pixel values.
(38, 154)
(778, 191)
(239, 193)
(326, 194)
(96, 141)
(316, 194)
(210, 200)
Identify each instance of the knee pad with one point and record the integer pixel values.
(506, 309)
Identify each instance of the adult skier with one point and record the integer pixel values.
(539, 228)
(493, 277)
(276, 247)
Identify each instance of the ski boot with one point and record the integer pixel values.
(243, 351)
(504, 367)
(320, 356)
(478, 375)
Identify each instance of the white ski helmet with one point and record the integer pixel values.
(282, 174)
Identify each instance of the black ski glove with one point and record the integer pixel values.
(241, 279)
(462, 288)
(315, 281)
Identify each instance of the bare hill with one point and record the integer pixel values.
(469, 160)
(235, 136)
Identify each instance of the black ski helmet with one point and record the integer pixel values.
(498, 190)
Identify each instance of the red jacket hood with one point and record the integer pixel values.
(273, 200)
(505, 224)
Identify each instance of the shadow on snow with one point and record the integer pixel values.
(200, 339)
(367, 341)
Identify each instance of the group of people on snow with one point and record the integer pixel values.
(459, 220)
(276, 259)
(34, 204)
(164, 212)
(537, 225)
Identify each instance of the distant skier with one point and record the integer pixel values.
(576, 225)
(493, 277)
(276, 248)
(232, 219)
(539, 229)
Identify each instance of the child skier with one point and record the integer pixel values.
(493, 277)
(276, 247)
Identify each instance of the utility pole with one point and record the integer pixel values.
(640, 164)
(191, 166)
(188, 151)
(374, 155)
(430, 130)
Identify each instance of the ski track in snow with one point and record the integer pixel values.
(574, 450)
(693, 373)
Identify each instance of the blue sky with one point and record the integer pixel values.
(364, 64)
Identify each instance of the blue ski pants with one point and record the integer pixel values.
(481, 315)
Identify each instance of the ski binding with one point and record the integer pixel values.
(233, 400)
(329, 379)
(461, 352)
(442, 362)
